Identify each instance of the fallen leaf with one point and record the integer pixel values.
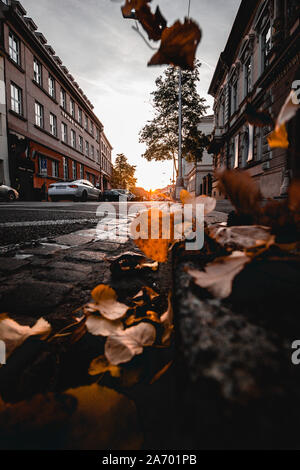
(208, 202)
(153, 24)
(103, 419)
(241, 189)
(239, 238)
(258, 118)
(13, 334)
(72, 333)
(106, 303)
(100, 365)
(219, 275)
(151, 317)
(99, 326)
(122, 347)
(178, 45)
(278, 138)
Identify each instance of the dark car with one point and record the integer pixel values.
(116, 194)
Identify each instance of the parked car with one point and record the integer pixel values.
(8, 193)
(79, 190)
(116, 194)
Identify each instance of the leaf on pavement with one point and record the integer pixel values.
(122, 347)
(103, 417)
(153, 24)
(242, 191)
(106, 303)
(100, 365)
(178, 45)
(219, 275)
(167, 320)
(99, 326)
(162, 372)
(13, 334)
(240, 238)
(278, 138)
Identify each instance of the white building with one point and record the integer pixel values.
(198, 176)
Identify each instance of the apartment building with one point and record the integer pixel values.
(198, 176)
(52, 131)
(259, 65)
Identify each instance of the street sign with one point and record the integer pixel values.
(43, 166)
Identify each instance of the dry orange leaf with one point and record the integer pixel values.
(153, 24)
(178, 45)
(106, 303)
(133, 5)
(241, 189)
(219, 275)
(279, 138)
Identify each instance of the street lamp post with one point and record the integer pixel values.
(179, 182)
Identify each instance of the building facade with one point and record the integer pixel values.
(198, 176)
(259, 65)
(52, 131)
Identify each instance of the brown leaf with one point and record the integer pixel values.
(279, 138)
(14, 334)
(240, 238)
(100, 365)
(106, 303)
(258, 118)
(122, 347)
(161, 372)
(219, 275)
(178, 45)
(99, 326)
(135, 5)
(153, 24)
(242, 191)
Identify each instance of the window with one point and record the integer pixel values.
(92, 128)
(74, 170)
(51, 83)
(80, 144)
(86, 123)
(87, 148)
(248, 76)
(98, 156)
(97, 135)
(66, 168)
(234, 92)
(14, 48)
(39, 114)
(16, 99)
(92, 152)
(63, 99)
(80, 116)
(55, 168)
(53, 124)
(266, 46)
(81, 172)
(72, 108)
(37, 71)
(73, 138)
(64, 132)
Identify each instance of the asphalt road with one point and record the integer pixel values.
(22, 222)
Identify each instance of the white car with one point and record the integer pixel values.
(8, 193)
(79, 190)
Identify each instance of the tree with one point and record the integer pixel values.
(123, 173)
(161, 134)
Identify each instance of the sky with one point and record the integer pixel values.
(109, 61)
